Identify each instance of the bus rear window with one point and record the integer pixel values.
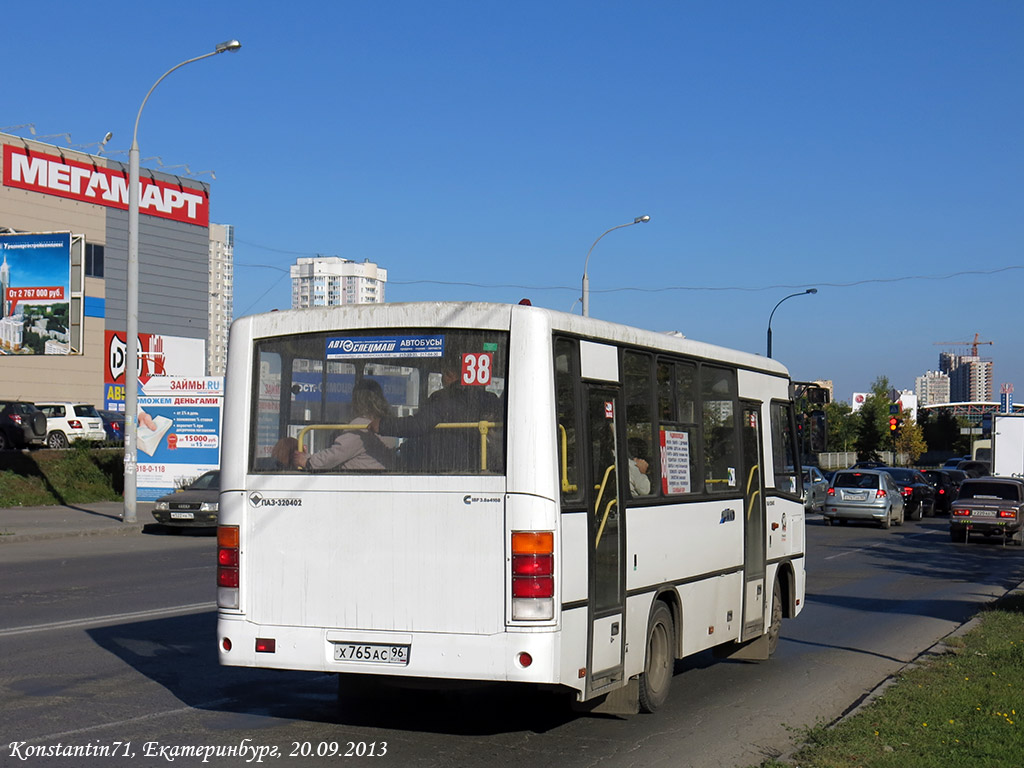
(414, 401)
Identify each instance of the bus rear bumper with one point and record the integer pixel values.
(512, 656)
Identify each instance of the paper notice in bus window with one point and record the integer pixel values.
(675, 461)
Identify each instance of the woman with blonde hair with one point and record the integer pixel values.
(355, 448)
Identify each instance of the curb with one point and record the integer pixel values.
(123, 530)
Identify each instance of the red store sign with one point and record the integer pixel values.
(53, 175)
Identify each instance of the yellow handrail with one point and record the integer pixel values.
(600, 530)
(601, 487)
(483, 426)
(567, 487)
(750, 481)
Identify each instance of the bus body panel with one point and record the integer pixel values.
(720, 547)
(376, 561)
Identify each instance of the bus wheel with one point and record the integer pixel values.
(775, 628)
(660, 661)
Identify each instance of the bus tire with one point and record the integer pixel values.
(659, 663)
(775, 628)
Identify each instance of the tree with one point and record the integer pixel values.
(873, 421)
(910, 440)
(840, 425)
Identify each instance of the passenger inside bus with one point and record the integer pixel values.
(639, 481)
(355, 448)
(444, 448)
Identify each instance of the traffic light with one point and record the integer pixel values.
(894, 424)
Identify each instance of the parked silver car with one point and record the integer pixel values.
(815, 489)
(864, 494)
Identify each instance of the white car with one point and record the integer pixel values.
(68, 422)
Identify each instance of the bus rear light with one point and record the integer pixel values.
(533, 587)
(228, 575)
(533, 565)
(533, 569)
(533, 542)
(227, 557)
(524, 659)
(226, 643)
(266, 645)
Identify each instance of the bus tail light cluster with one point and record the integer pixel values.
(533, 575)
(227, 566)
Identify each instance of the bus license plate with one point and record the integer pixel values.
(372, 653)
(182, 516)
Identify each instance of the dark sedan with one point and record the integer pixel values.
(918, 493)
(113, 424)
(947, 486)
(194, 506)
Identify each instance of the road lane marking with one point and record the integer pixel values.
(115, 618)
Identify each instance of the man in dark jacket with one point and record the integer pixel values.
(434, 448)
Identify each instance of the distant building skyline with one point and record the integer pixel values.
(331, 281)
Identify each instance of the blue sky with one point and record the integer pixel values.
(872, 150)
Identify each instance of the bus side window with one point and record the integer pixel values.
(718, 396)
(566, 375)
(678, 436)
(639, 395)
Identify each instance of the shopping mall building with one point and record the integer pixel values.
(63, 257)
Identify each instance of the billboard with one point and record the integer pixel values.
(178, 432)
(158, 356)
(35, 294)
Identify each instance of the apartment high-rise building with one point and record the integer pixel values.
(222, 278)
(932, 388)
(971, 381)
(330, 281)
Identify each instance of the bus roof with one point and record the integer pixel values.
(489, 315)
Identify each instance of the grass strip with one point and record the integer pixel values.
(961, 707)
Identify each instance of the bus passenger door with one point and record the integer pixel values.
(754, 524)
(606, 521)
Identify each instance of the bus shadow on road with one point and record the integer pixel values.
(179, 654)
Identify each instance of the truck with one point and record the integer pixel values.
(1008, 445)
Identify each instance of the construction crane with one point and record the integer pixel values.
(972, 344)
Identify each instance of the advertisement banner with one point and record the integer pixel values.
(35, 294)
(178, 432)
(158, 356)
(87, 183)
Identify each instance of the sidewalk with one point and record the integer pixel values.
(52, 522)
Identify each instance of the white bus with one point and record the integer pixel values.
(578, 505)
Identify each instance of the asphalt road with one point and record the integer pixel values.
(108, 642)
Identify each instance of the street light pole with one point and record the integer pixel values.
(586, 280)
(802, 293)
(131, 367)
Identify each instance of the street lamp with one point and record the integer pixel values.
(586, 280)
(131, 370)
(802, 293)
